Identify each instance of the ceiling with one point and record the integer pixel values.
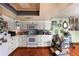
(44, 10)
(61, 6)
(26, 6)
(23, 8)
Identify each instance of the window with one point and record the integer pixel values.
(73, 24)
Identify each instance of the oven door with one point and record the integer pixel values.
(32, 40)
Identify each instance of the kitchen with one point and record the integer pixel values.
(34, 29)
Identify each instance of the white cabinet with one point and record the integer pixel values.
(9, 46)
(15, 42)
(44, 40)
(35, 22)
(23, 25)
(48, 40)
(11, 24)
(12, 43)
(22, 40)
(40, 24)
(29, 22)
(47, 25)
(3, 50)
(10, 21)
(41, 40)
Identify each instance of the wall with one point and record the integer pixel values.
(75, 34)
(72, 10)
(58, 19)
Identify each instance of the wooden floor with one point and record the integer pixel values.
(74, 51)
(32, 52)
(41, 52)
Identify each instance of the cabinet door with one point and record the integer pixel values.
(48, 40)
(15, 42)
(23, 25)
(40, 37)
(22, 41)
(3, 51)
(12, 44)
(47, 25)
(29, 22)
(40, 25)
(44, 40)
(11, 23)
(35, 23)
(40, 41)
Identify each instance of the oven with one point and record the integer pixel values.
(31, 40)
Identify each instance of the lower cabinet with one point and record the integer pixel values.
(9, 46)
(13, 43)
(44, 40)
(22, 40)
(3, 50)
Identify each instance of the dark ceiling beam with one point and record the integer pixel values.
(34, 13)
(20, 13)
(6, 5)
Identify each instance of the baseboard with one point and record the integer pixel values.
(33, 47)
(13, 51)
(76, 43)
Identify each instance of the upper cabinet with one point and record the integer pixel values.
(31, 24)
(40, 24)
(10, 22)
(35, 24)
(47, 24)
(23, 25)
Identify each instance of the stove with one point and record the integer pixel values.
(32, 41)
